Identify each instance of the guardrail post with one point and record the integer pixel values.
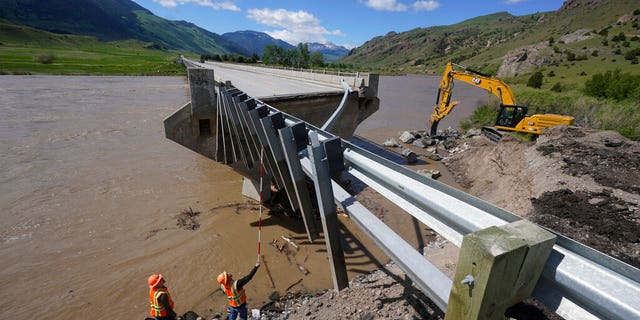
(498, 267)
(294, 139)
(328, 215)
(271, 124)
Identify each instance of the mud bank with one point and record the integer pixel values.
(582, 183)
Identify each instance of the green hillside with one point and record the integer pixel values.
(421, 49)
(24, 50)
(111, 20)
(483, 42)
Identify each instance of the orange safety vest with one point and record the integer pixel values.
(236, 298)
(158, 310)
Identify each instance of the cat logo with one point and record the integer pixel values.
(476, 80)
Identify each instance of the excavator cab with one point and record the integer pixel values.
(510, 116)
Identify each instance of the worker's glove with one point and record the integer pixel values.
(258, 265)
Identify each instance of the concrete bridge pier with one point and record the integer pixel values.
(194, 124)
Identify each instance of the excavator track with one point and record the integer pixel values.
(492, 134)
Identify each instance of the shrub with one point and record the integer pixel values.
(557, 87)
(45, 58)
(605, 42)
(535, 81)
(589, 112)
(613, 85)
(626, 44)
(594, 53)
(482, 116)
(571, 56)
(619, 37)
(551, 74)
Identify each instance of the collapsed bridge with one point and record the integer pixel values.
(504, 259)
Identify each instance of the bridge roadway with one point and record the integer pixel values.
(260, 85)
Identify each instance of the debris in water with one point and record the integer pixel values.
(293, 285)
(274, 243)
(302, 269)
(290, 241)
(252, 206)
(154, 232)
(187, 219)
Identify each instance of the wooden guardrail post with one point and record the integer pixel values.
(498, 267)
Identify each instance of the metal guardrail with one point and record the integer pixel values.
(578, 282)
(323, 71)
(336, 114)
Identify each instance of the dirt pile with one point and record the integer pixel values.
(383, 294)
(582, 183)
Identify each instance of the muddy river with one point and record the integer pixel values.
(90, 192)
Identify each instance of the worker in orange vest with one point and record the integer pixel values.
(160, 298)
(234, 289)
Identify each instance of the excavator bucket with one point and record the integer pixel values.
(492, 134)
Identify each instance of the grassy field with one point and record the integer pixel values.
(24, 50)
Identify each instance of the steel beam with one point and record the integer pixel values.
(328, 215)
(275, 147)
(255, 115)
(299, 183)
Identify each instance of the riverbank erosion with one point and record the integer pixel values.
(584, 184)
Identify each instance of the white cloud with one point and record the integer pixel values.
(294, 26)
(217, 5)
(167, 3)
(513, 1)
(426, 5)
(386, 5)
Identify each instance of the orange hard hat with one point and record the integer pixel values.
(223, 277)
(154, 279)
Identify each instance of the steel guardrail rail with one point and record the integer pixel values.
(577, 282)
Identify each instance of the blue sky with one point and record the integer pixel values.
(344, 22)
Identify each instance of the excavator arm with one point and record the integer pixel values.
(452, 72)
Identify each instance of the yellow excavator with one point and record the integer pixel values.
(511, 117)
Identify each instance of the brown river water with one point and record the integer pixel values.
(90, 191)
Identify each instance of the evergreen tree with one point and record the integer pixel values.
(535, 81)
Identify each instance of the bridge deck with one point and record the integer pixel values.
(266, 85)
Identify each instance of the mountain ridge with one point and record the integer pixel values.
(110, 20)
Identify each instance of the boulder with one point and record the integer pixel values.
(411, 156)
(448, 143)
(407, 137)
(429, 173)
(473, 132)
(423, 143)
(391, 142)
